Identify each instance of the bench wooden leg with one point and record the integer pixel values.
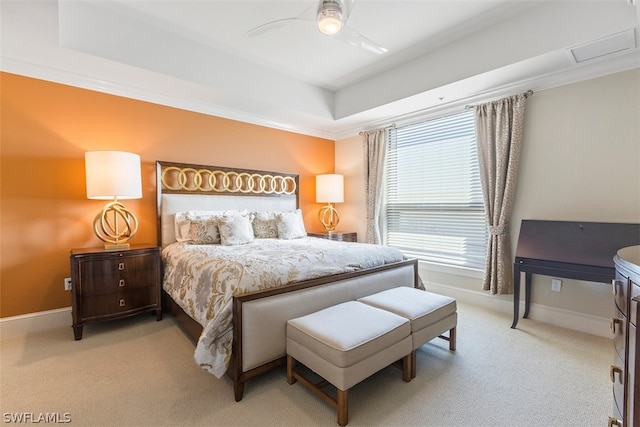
(452, 339)
(343, 407)
(414, 362)
(291, 366)
(407, 367)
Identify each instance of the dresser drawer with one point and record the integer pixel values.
(621, 293)
(618, 327)
(633, 304)
(631, 378)
(119, 303)
(618, 379)
(617, 413)
(617, 408)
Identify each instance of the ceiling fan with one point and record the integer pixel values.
(331, 18)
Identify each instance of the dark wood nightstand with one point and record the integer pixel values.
(112, 284)
(343, 236)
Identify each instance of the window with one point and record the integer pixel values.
(434, 207)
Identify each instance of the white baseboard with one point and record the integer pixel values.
(44, 320)
(564, 318)
(35, 322)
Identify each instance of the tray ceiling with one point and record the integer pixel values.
(197, 55)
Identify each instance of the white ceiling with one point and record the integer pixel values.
(197, 55)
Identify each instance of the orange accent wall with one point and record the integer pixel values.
(45, 130)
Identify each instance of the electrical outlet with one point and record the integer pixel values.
(556, 285)
(67, 283)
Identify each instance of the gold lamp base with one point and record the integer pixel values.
(107, 223)
(328, 216)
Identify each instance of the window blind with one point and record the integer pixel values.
(434, 209)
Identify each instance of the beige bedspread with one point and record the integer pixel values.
(202, 279)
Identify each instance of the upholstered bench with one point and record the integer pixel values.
(346, 344)
(430, 314)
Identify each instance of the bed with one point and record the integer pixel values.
(257, 314)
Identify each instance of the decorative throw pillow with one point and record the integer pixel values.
(235, 230)
(264, 225)
(197, 227)
(204, 231)
(290, 225)
(200, 227)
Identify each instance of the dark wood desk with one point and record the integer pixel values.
(568, 249)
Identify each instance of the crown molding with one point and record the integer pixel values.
(575, 74)
(572, 75)
(56, 75)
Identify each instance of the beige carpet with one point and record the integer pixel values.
(139, 372)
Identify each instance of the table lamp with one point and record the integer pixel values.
(329, 189)
(113, 175)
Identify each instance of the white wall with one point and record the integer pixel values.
(350, 162)
(580, 161)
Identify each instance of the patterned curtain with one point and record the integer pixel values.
(499, 138)
(375, 149)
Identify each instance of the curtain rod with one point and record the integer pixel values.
(391, 126)
(525, 94)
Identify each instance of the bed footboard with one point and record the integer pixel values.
(260, 318)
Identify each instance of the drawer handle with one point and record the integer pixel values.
(612, 373)
(614, 322)
(614, 422)
(122, 303)
(121, 266)
(121, 284)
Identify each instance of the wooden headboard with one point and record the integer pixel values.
(183, 186)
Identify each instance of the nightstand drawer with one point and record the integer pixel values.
(341, 236)
(111, 282)
(103, 305)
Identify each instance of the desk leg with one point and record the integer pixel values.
(527, 294)
(516, 295)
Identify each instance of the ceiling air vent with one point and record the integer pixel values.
(605, 46)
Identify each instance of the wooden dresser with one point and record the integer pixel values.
(112, 284)
(626, 290)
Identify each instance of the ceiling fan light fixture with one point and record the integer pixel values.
(329, 21)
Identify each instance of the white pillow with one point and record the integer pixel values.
(235, 230)
(290, 225)
(264, 225)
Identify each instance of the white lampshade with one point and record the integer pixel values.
(329, 188)
(113, 174)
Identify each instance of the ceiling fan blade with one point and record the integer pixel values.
(308, 14)
(347, 7)
(270, 26)
(356, 39)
